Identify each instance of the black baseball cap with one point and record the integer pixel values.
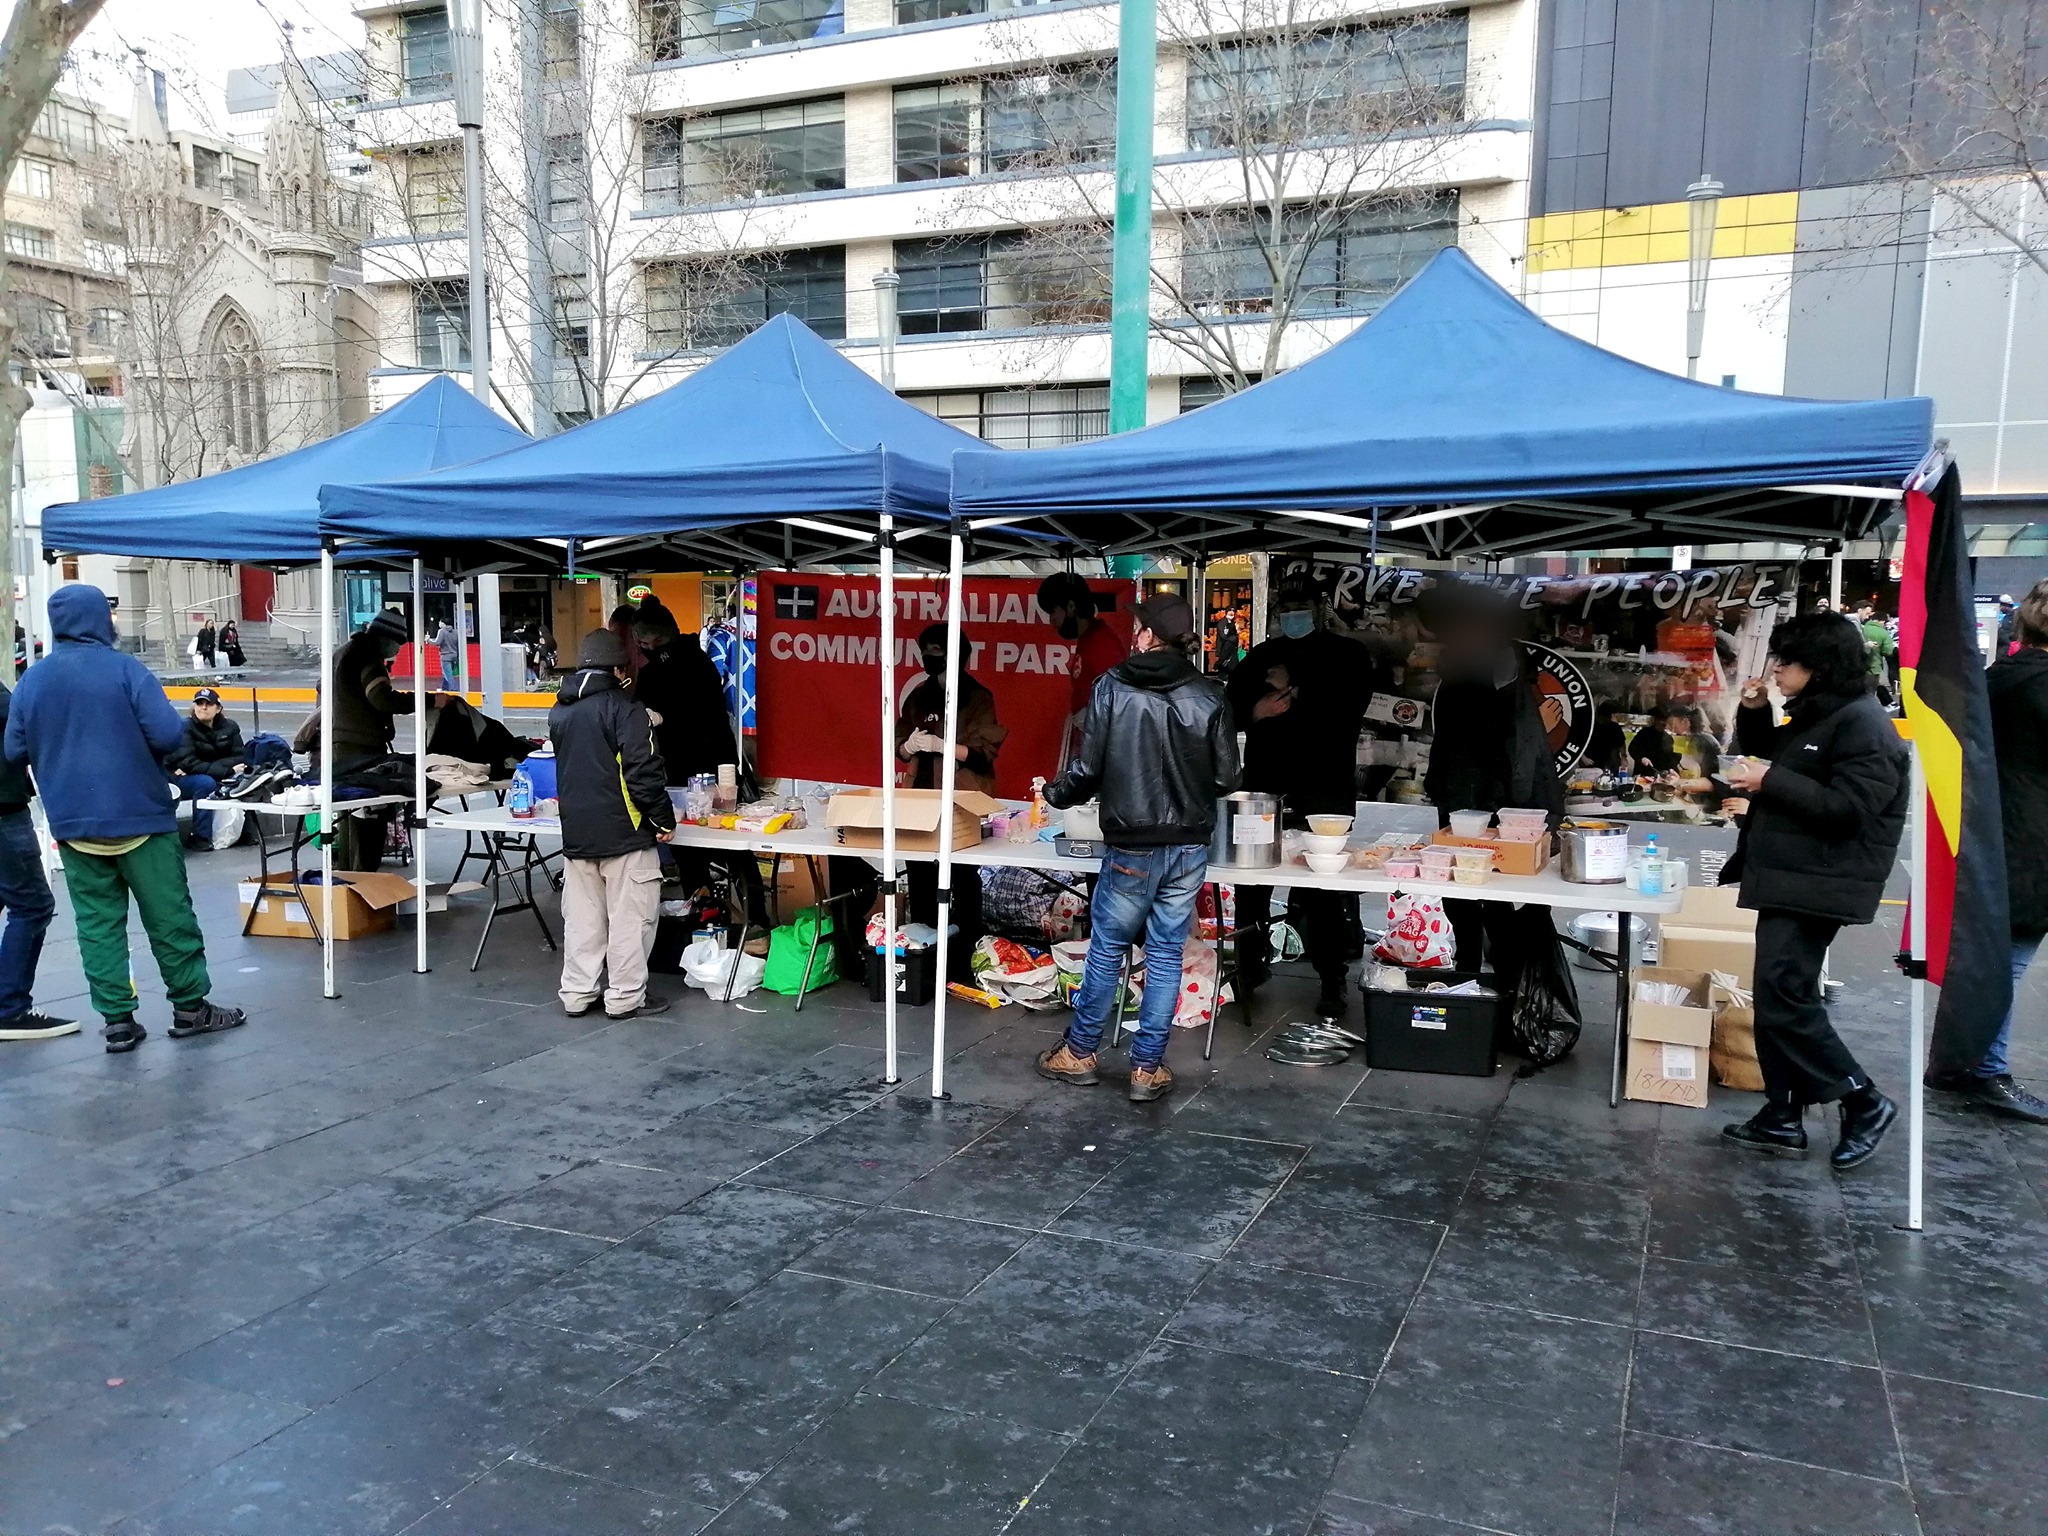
(205, 696)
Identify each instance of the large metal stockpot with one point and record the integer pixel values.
(1247, 834)
(1595, 852)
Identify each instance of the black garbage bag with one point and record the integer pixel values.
(1543, 1019)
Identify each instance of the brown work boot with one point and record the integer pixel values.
(1149, 1083)
(1062, 1065)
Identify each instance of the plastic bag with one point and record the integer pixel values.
(228, 827)
(1544, 1018)
(1015, 973)
(709, 968)
(790, 950)
(1200, 992)
(1418, 934)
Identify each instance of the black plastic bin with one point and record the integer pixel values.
(1419, 1031)
(916, 971)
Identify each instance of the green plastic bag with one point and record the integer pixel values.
(789, 947)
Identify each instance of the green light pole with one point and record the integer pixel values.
(1137, 65)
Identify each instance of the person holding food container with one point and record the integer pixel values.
(1822, 804)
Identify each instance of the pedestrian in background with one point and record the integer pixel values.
(2019, 728)
(208, 755)
(1820, 833)
(1159, 747)
(231, 644)
(1878, 649)
(448, 640)
(94, 725)
(206, 643)
(25, 895)
(614, 809)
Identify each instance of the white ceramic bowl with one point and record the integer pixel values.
(1313, 842)
(1327, 863)
(1330, 826)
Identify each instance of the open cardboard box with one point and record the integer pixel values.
(364, 903)
(855, 817)
(1709, 932)
(1668, 1043)
(1508, 858)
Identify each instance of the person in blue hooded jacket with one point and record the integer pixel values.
(94, 726)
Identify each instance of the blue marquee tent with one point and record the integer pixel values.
(1456, 396)
(267, 513)
(737, 462)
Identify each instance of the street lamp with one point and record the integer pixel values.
(886, 283)
(466, 63)
(1703, 210)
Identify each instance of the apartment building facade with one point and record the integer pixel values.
(666, 174)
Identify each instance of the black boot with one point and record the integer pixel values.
(1866, 1116)
(2002, 1096)
(1330, 1005)
(1774, 1128)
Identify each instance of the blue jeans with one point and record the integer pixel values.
(1994, 1062)
(198, 786)
(1148, 891)
(25, 895)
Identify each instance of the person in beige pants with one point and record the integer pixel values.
(615, 808)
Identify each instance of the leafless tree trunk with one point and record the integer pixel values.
(31, 58)
(1955, 95)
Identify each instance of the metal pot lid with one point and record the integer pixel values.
(1307, 1055)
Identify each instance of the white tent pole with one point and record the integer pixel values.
(1916, 1065)
(327, 770)
(419, 763)
(462, 601)
(887, 600)
(948, 773)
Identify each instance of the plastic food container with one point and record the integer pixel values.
(1524, 832)
(1327, 863)
(1472, 858)
(1436, 874)
(1317, 842)
(1465, 875)
(1330, 826)
(1471, 823)
(1438, 856)
(1371, 858)
(1403, 869)
(1508, 813)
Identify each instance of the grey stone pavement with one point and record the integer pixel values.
(433, 1258)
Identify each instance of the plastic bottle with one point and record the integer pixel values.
(520, 800)
(1039, 816)
(1653, 869)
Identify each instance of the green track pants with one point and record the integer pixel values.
(154, 873)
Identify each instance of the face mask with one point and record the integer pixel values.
(935, 665)
(1297, 623)
(1070, 628)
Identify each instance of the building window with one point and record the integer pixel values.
(74, 128)
(797, 146)
(103, 326)
(244, 188)
(69, 568)
(1055, 118)
(32, 178)
(1349, 264)
(703, 304)
(681, 29)
(935, 131)
(238, 370)
(1348, 82)
(27, 240)
(572, 318)
(105, 256)
(561, 39)
(566, 180)
(1200, 389)
(1025, 418)
(440, 324)
(1010, 281)
(425, 66)
(45, 332)
(206, 169)
(433, 193)
(911, 11)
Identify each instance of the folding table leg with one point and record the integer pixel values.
(732, 977)
(1624, 951)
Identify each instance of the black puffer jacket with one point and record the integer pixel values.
(210, 749)
(608, 777)
(1823, 829)
(2019, 728)
(1158, 743)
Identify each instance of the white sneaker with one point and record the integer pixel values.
(36, 1026)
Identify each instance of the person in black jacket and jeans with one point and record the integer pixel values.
(1821, 829)
(615, 808)
(1157, 742)
(25, 896)
(2019, 731)
(210, 754)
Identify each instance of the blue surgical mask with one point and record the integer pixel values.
(1297, 623)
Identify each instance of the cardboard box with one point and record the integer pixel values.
(364, 904)
(1508, 858)
(1668, 1043)
(855, 817)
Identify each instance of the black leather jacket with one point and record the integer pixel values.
(1159, 744)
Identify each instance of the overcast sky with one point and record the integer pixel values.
(197, 42)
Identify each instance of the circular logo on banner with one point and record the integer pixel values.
(1567, 700)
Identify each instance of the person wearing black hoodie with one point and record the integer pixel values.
(615, 809)
(1158, 745)
(1820, 832)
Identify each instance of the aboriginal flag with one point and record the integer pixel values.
(1942, 675)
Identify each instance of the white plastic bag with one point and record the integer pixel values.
(710, 968)
(1418, 933)
(228, 827)
(1015, 973)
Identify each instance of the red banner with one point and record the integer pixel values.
(818, 700)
